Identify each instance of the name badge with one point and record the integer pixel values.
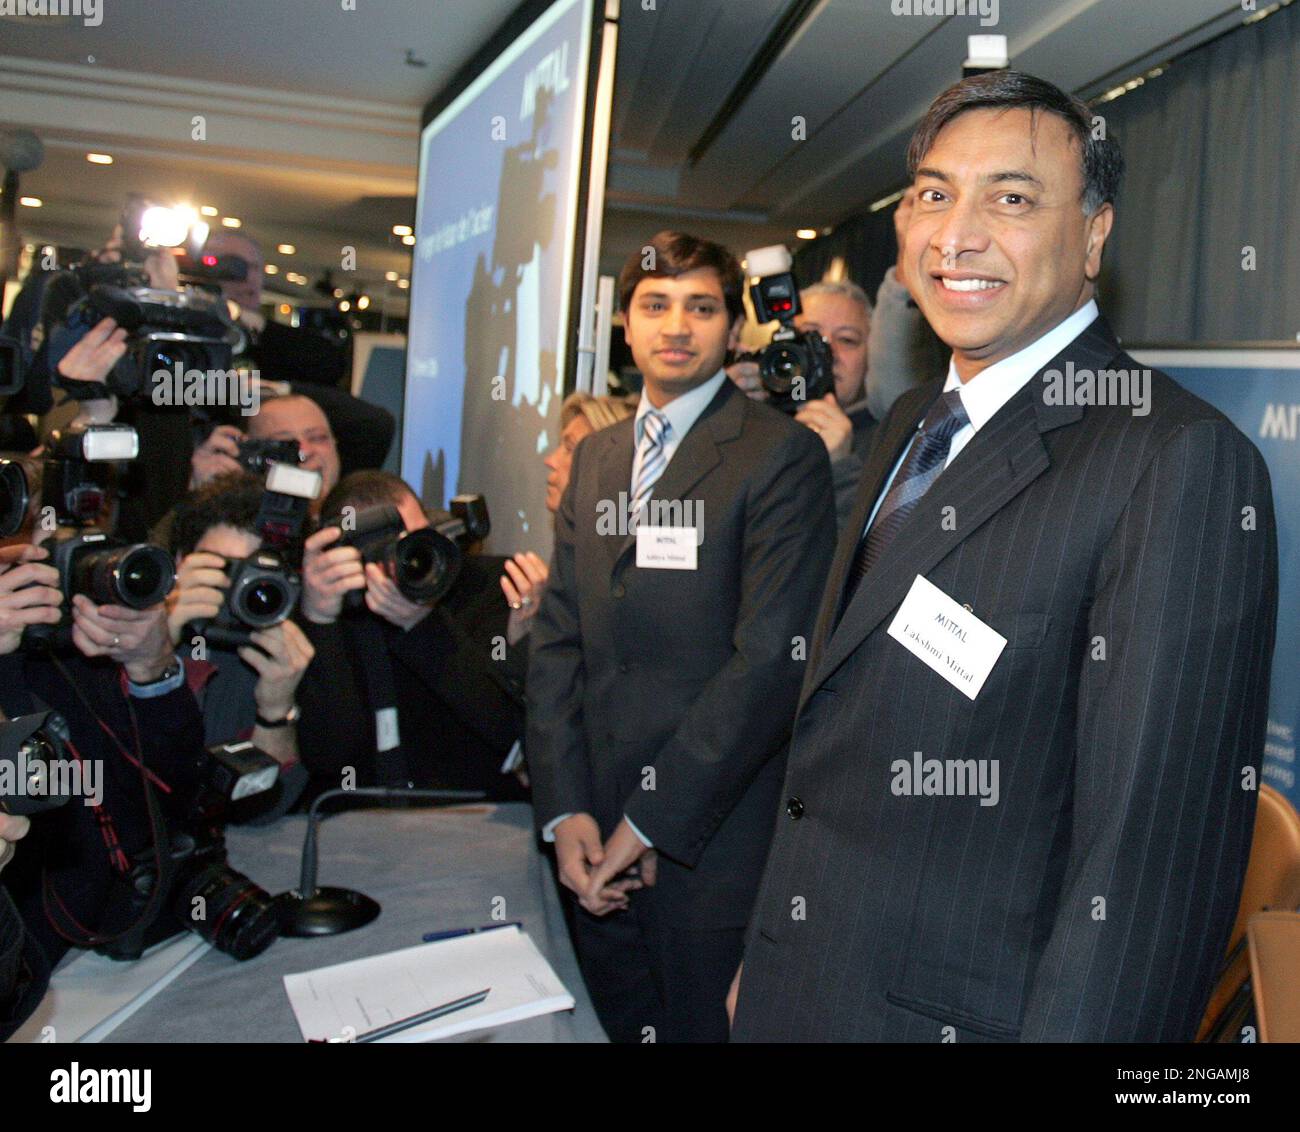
(666, 548)
(387, 736)
(946, 636)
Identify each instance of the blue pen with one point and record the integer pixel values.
(434, 937)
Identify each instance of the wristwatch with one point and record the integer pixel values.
(292, 716)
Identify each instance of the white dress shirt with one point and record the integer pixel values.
(985, 393)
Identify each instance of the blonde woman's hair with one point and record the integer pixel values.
(601, 412)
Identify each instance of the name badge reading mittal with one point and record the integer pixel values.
(947, 636)
(666, 548)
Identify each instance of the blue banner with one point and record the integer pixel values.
(1259, 390)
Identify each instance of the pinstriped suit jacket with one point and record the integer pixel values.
(1094, 900)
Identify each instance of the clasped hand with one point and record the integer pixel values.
(602, 875)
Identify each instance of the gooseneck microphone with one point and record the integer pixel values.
(309, 910)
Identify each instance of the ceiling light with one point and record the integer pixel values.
(100, 158)
(409, 241)
(30, 202)
(286, 249)
(345, 306)
(391, 276)
(232, 222)
(363, 302)
(210, 210)
(403, 283)
(401, 229)
(806, 233)
(271, 269)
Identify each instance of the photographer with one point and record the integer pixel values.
(129, 715)
(841, 314)
(24, 973)
(248, 691)
(314, 365)
(400, 692)
(296, 418)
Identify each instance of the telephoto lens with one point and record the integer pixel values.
(239, 916)
(424, 563)
(137, 576)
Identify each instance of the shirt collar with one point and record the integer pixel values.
(682, 412)
(992, 388)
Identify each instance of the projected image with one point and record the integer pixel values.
(496, 224)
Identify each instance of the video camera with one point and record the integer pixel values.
(795, 367)
(191, 328)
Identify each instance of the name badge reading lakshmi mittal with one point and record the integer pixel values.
(947, 636)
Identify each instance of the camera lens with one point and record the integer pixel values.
(13, 498)
(239, 916)
(781, 366)
(425, 564)
(136, 576)
(264, 602)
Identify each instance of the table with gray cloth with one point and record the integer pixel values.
(431, 870)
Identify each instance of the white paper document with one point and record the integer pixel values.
(344, 1002)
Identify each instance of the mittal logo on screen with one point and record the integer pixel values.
(550, 74)
(1279, 422)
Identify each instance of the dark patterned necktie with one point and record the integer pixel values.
(918, 471)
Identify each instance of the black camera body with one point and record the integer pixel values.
(263, 591)
(796, 366)
(200, 891)
(424, 564)
(257, 455)
(31, 748)
(75, 485)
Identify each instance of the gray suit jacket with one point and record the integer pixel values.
(1093, 902)
(692, 673)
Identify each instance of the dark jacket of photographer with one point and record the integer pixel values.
(66, 853)
(459, 710)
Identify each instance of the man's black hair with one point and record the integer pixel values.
(231, 500)
(1103, 163)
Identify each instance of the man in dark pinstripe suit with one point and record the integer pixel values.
(1052, 851)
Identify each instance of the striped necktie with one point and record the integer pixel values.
(652, 459)
(924, 463)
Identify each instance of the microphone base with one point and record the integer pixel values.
(328, 911)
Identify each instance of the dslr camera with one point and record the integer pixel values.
(425, 563)
(200, 891)
(36, 772)
(263, 591)
(256, 456)
(796, 366)
(77, 491)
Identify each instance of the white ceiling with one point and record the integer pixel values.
(312, 114)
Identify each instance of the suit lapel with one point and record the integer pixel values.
(614, 475)
(697, 453)
(999, 462)
(892, 437)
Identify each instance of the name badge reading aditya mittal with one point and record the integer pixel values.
(666, 548)
(947, 636)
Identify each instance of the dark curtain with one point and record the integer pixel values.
(1213, 153)
(867, 244)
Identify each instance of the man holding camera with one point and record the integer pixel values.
(668, 651)
(404, 692)
(245, 690)
(841, 313)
